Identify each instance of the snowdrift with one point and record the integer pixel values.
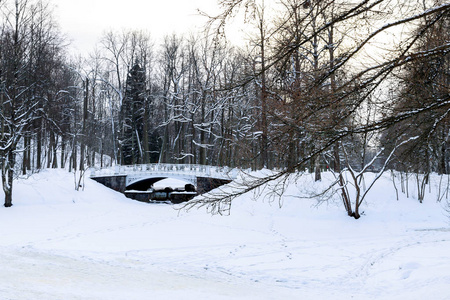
(57, 243)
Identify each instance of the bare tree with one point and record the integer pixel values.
(353, 83)
(27, 40)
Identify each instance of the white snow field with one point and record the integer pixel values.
(57, 243)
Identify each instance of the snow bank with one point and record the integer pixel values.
(57, 243)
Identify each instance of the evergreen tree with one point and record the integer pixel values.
(132, 113)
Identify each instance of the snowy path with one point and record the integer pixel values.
(247, 272)
(34, 275)
(59, 244)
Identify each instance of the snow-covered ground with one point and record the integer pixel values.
(57, 243)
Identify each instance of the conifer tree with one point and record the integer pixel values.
(132, 111)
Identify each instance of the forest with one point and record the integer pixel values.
(330, 85)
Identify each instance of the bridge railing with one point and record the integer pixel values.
(198, 170)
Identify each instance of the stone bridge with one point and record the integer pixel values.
(140, 177)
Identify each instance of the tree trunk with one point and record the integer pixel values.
(318, 176)
(336, 157)
(8, 197)
(163, 156)
(55, 158)
(74, 154)
(63, 152)
(193, 159)
(145, 134)
(8, 175)
(39, 145)
(202, 156)
(85, 115)
(264, 140)
(26, 154)
(50, 149)
(442, 166)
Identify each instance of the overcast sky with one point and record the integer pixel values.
(84, 21)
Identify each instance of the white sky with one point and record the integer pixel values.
(84, 21)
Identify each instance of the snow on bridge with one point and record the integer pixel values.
(185, 171)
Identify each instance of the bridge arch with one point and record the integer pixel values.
(122, 178)
(144, 184)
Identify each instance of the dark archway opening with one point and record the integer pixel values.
(144, 185)
(146, 190)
